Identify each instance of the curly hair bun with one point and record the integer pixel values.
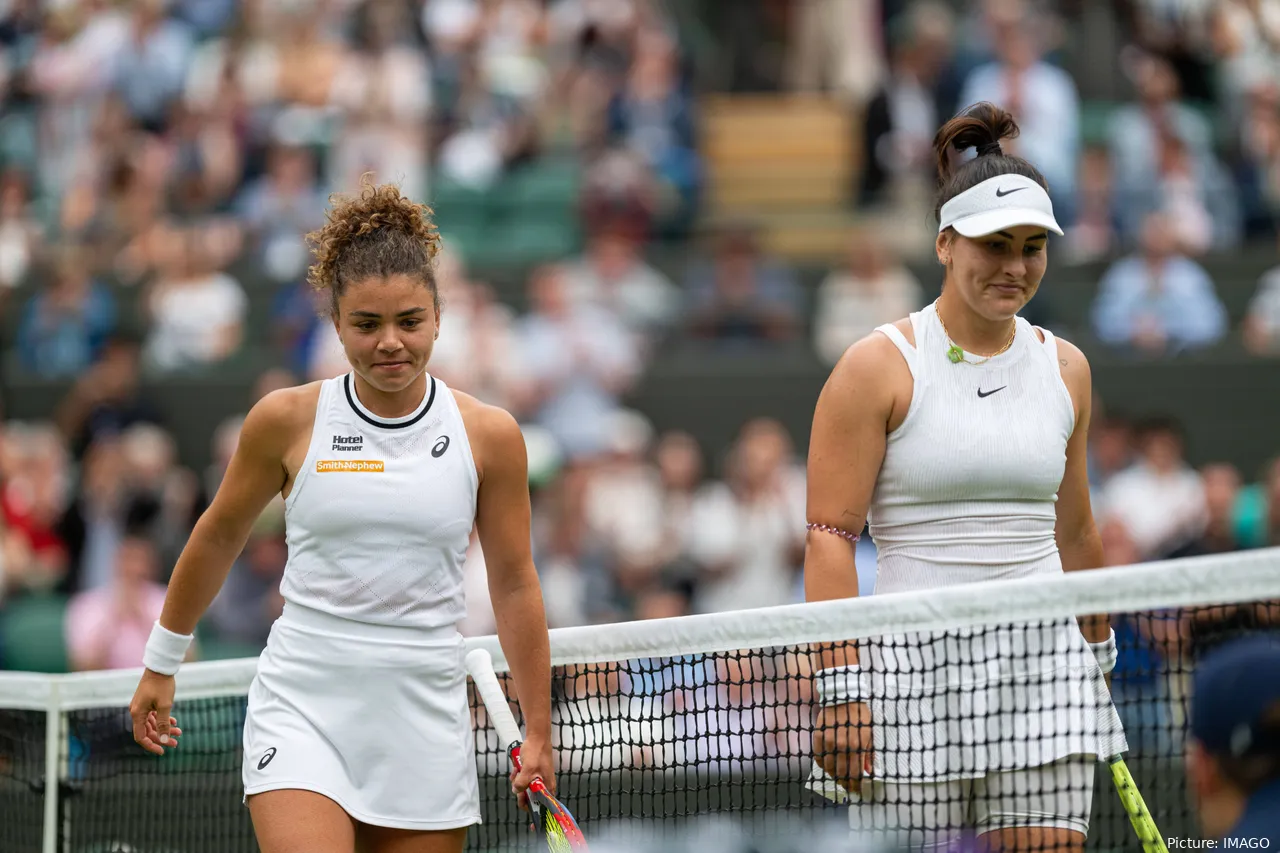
(376, 234)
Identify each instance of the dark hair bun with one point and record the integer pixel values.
(980, 127)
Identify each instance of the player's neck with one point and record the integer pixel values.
(393, 404)
(970, 332)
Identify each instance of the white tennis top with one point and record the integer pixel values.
(381, 512)
(967, 493)
(970, 478)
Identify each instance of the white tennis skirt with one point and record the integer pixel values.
(375, 718)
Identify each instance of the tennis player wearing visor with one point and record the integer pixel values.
(959, 434)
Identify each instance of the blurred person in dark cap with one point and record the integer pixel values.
(1233, 760)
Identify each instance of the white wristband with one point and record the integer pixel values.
(165, 650)
(1105, 653)
(839, 685)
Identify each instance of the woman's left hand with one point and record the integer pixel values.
(535, 762)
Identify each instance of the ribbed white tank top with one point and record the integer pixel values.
(970, 478)
(380, 515)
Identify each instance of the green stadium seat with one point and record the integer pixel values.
(31, 634)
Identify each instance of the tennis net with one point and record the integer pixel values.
(661, 722)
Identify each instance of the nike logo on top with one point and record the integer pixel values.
(1002, 193)
(982, 393)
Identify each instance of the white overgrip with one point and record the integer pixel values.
(480, 665)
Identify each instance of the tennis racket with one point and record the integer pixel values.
(551, 819)
(1136, 808)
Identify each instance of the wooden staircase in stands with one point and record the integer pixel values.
(785, 162)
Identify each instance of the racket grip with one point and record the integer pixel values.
(480, 665)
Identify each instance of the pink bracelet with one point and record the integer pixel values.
(843, 534)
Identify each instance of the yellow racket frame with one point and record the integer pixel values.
(1136, 808)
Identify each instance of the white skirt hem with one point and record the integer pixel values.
(363, 817)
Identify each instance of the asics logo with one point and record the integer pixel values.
(440, 447)
(266, 758)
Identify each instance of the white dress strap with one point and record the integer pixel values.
(1050, 343)
(891, 332)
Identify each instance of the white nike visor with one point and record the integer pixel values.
(998, 204)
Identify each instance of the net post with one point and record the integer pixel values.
(52, 754)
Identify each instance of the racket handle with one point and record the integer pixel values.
(480, 665)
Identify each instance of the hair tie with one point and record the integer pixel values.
(989, 148)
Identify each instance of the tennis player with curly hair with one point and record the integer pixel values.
(358, 733)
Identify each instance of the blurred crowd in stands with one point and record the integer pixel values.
(162, 159)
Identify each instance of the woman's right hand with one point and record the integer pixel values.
(153, 728)
(842, 743)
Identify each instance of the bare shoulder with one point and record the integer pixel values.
(492, 432)
(279, 417)
(1074, 365)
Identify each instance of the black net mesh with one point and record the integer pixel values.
(646, 746)
(22, 763)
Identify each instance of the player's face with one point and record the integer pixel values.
(388, 328)
(996, 274)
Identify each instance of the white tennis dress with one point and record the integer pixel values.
(966, 493)
(361, 694)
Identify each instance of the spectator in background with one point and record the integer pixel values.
(1195, 193)
(748, 535)
(742, 295)
(280, 207)
(1093, 235)
(1159, 301)
(623, 506)
(107, 398)
(35, 488)
(1258, 510)
(477, 348)
(1042, 97)
(904, 112)
(107, 627)
(1259, 155)
(20, 231)
(65, 326)
(1110, 449)
(1233, 760)
(1262, 323)
(382, 92)
(151, 68)
(1160, 499)
(1246, 39)
(1222, 488)
(653, 116)
(250, 601)
(835, 47)
(576, 361)
(873, 288)
(197, 311)
(93, 526)
(612, 273)
(1138, 133)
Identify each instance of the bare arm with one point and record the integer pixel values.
(1078, 542)
(846, 449)
(503, 524)
(255, 475)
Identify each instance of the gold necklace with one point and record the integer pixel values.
(956, 354)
